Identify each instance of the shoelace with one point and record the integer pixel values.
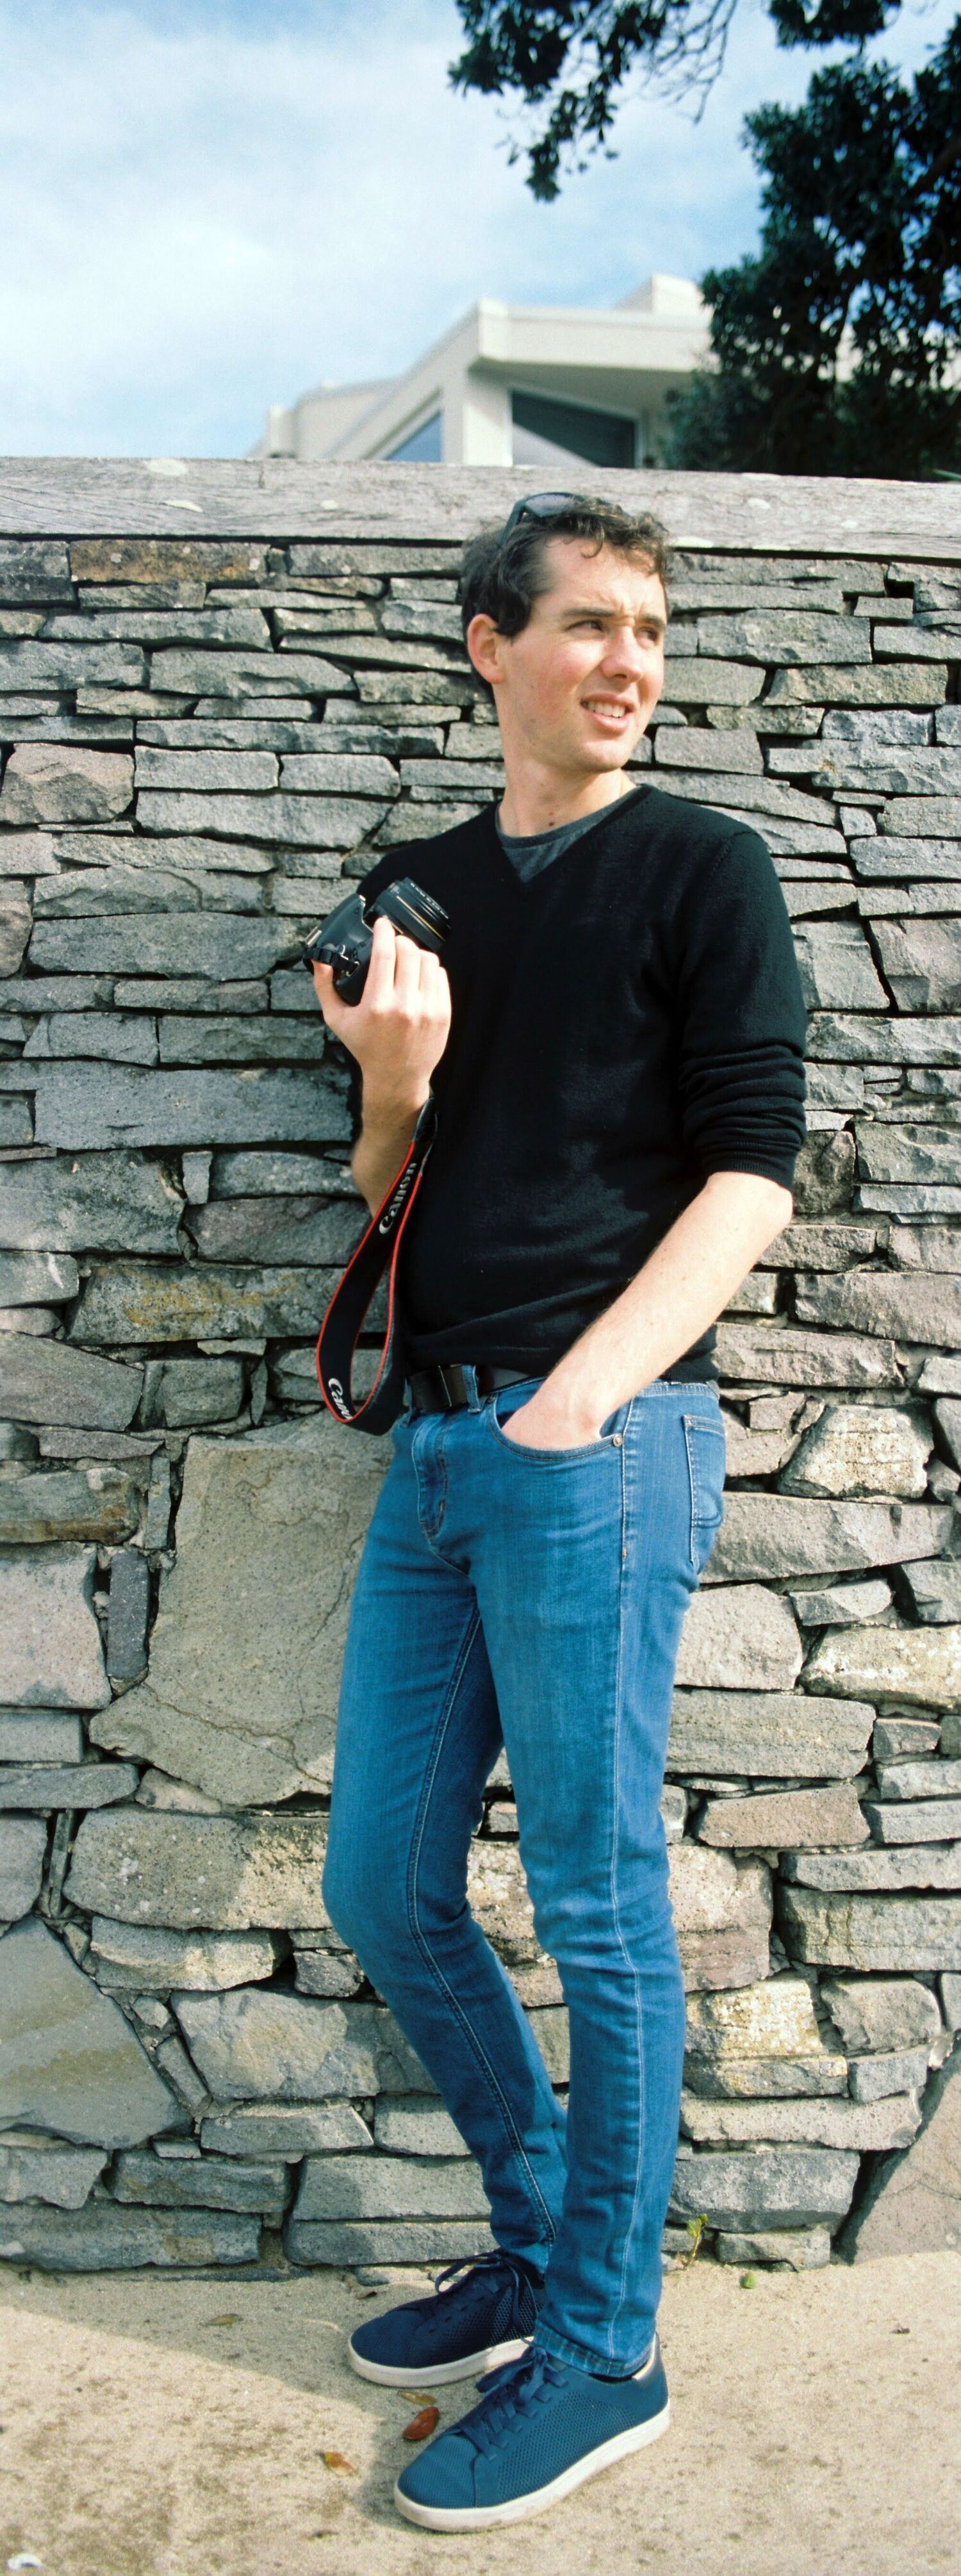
(468, 2279)
(530, 2382)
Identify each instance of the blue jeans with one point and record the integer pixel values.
(533, 1598)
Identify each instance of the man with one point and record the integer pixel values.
(615, 1046)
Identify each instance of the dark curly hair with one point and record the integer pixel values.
(503, 570)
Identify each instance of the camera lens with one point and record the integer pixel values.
(415, 912)
(430, 914)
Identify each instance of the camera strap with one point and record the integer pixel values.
(341, 1328)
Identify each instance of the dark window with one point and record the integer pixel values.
(545, 428)
(423, 447)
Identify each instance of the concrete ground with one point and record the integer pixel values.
(171, 2427)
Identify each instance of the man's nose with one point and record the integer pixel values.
(623, 656)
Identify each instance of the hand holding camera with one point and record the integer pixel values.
(384, 992)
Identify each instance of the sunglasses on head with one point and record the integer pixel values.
(541, 505)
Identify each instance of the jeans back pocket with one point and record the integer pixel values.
(706, 1464)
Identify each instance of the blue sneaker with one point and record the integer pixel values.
(534, 2437)
(478, 2316)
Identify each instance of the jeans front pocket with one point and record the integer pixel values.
(610, 1437)
(706, 1464)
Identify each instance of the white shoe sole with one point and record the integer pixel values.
(481, 2517)
(470, 2366)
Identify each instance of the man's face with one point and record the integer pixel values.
(577, 686)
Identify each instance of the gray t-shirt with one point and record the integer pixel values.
(529, 852)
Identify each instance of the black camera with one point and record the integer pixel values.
(345, 939)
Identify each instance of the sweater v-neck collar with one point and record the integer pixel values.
(584, 839)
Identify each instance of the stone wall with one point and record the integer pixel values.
(207, 720)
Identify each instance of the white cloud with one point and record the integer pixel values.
(206, 208)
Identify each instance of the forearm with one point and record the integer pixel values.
(386, 1131)
(396, 1034)
(686, 1283)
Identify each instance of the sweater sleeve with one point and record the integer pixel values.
(742, 1019)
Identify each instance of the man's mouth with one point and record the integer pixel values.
(615, 712)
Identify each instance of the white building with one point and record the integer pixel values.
(515, 384)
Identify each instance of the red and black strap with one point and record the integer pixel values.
(341, 1328)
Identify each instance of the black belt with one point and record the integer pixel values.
(441, 1389)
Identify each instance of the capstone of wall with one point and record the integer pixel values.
(223, 690)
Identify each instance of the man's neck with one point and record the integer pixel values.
(537, 800)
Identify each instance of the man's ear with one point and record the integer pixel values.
(484, 644)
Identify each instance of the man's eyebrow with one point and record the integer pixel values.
(589, 608)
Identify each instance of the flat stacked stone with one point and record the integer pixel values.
(201, 739)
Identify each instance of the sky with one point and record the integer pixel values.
(208, 206)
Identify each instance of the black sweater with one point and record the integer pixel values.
(623, 1024)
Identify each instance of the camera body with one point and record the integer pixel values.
(345, 939)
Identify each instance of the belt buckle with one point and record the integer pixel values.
(452, 1381)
